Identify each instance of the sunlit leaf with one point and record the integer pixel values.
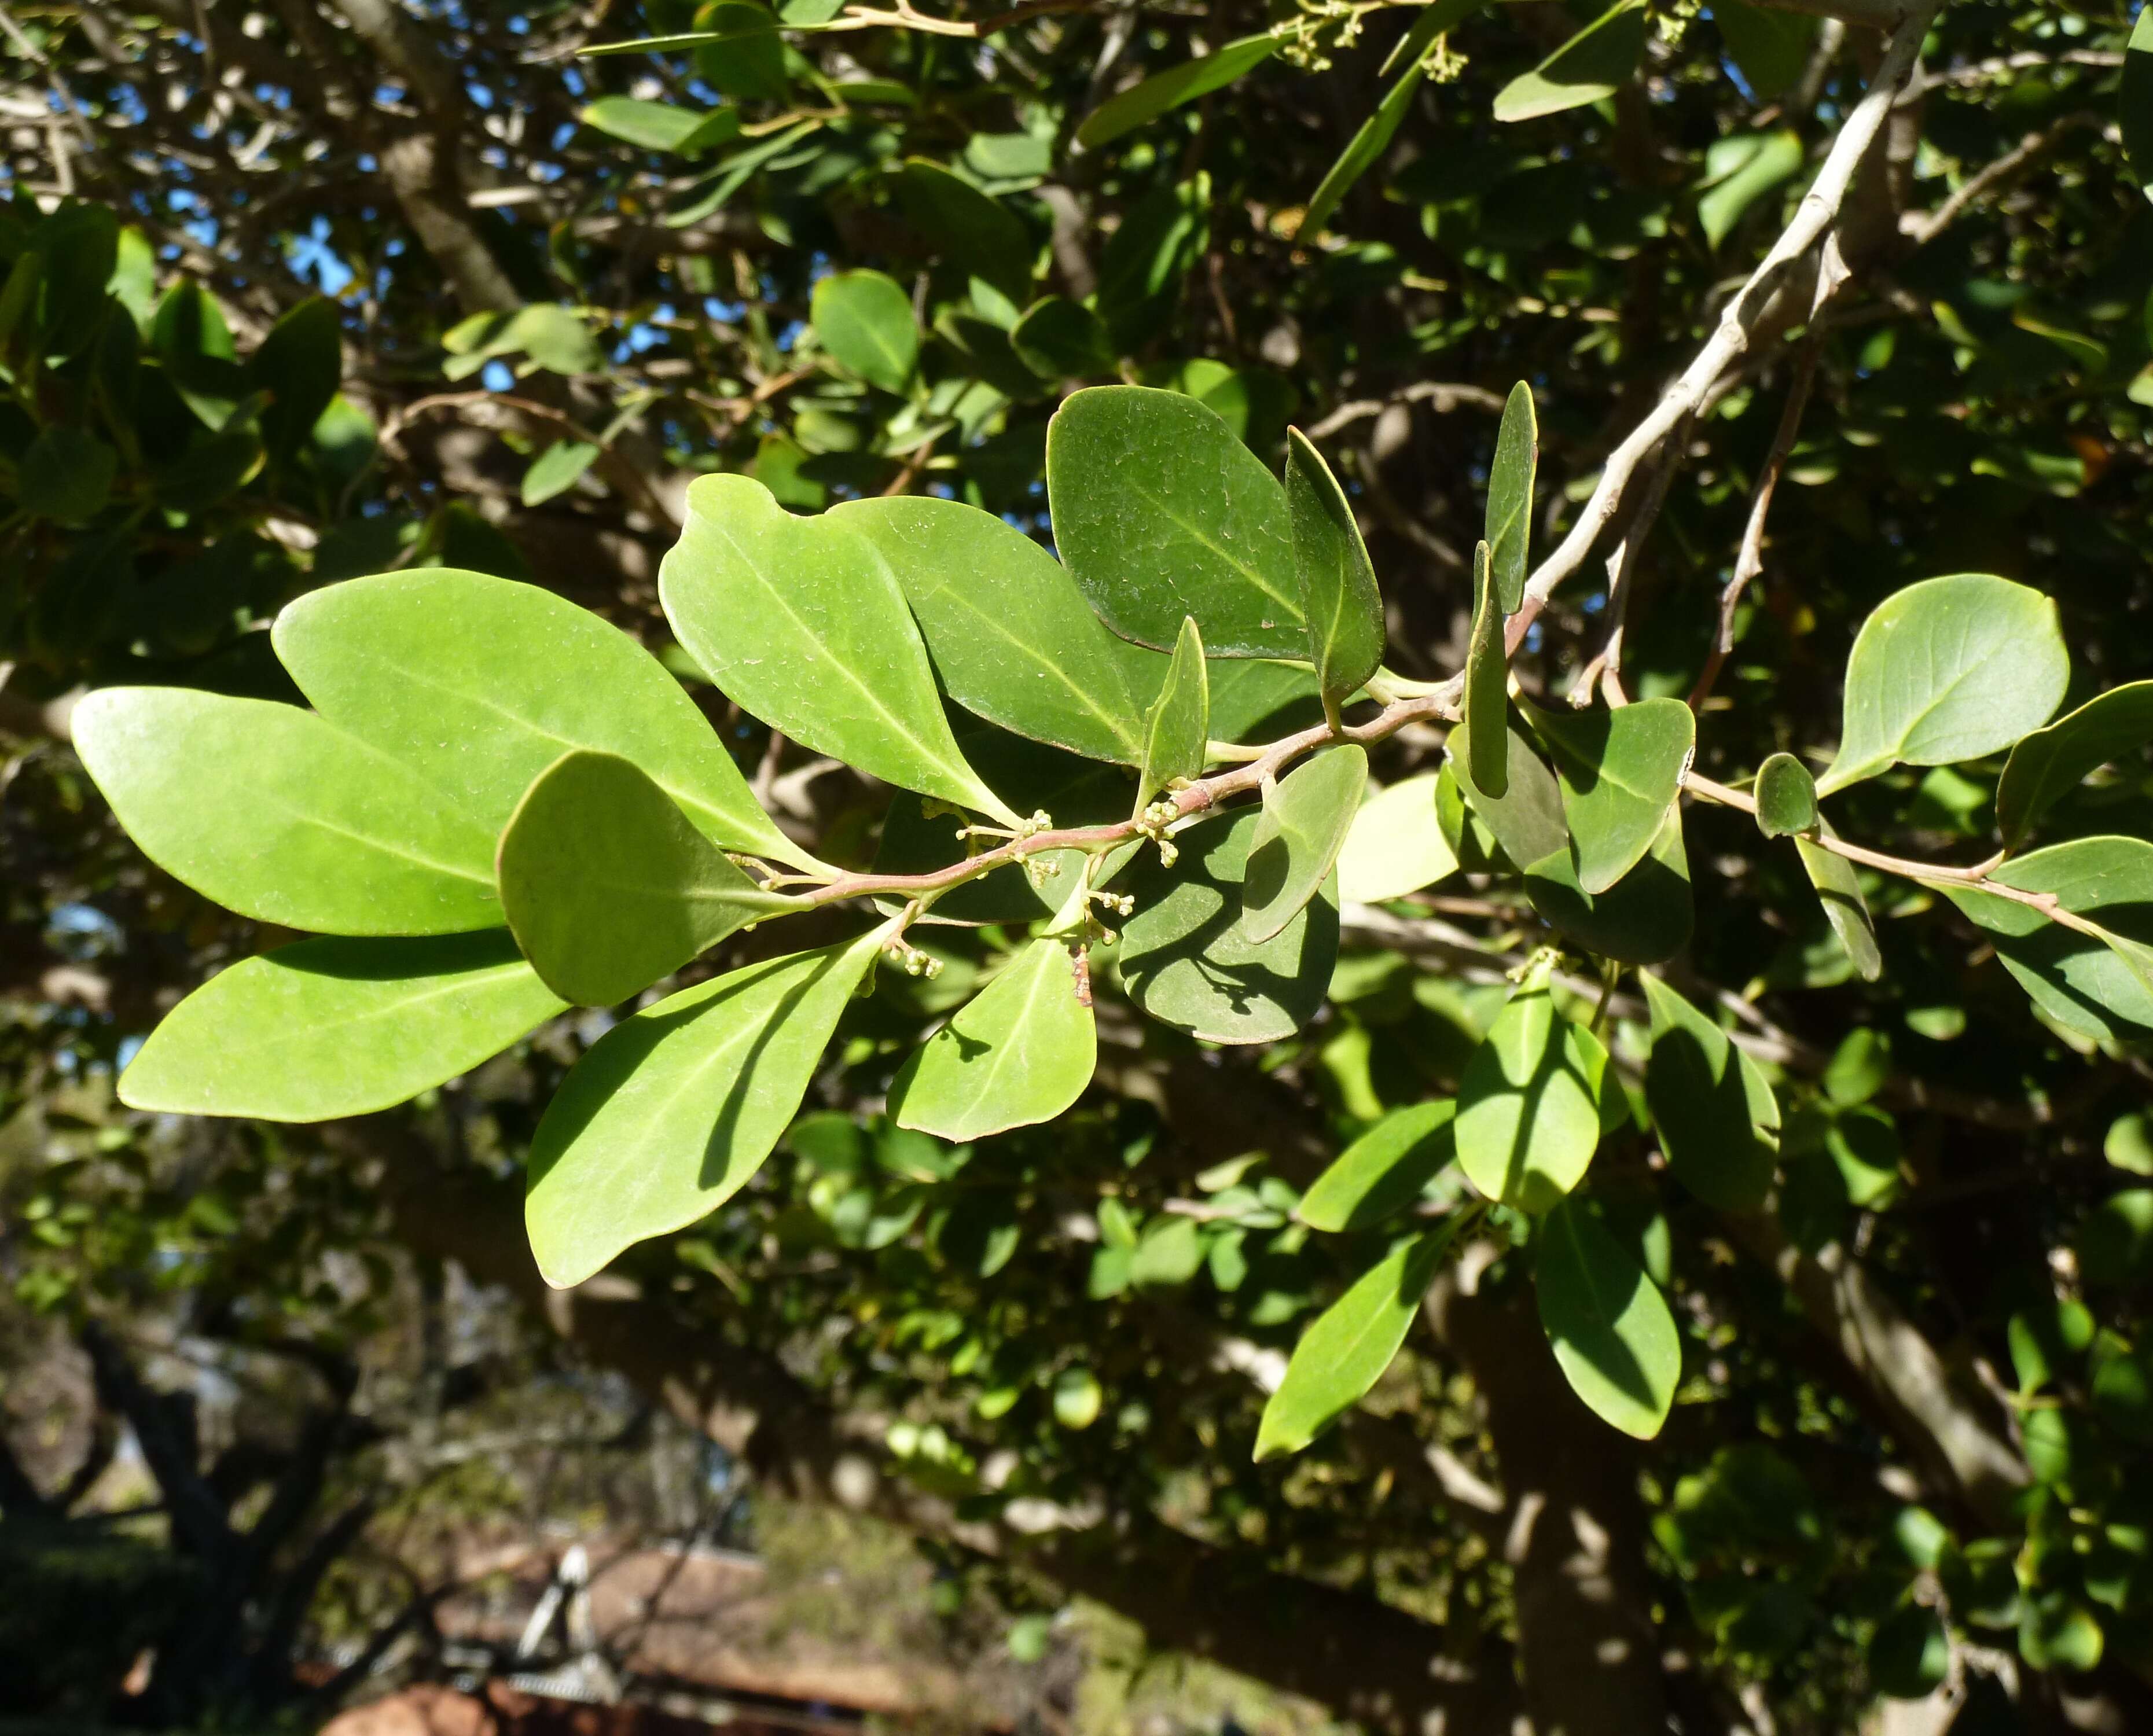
(1384, 1170)
(1593, 63)
(865, 320)
(1528, 1105)
(1337, 582)
(1786, 796)
(1708, 1107)
(1509, 522)
(1396, 845)
(1609, 1325)
(1486, 699)
(2050, 762)
(1177, 733)
(1621, 771)
(1021, 1053)
(1839, 886)
(1298, 834)
(1145, 102)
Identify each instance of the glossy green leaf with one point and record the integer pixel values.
(1060, 339)
(1300, 832)
(1528, 1104)
(865, 320)
(1610, 1325)
(1010, 633)
(2091, 985)
(1384, 1170)
(661, 126)
(1346, 1350)
(1021, 1053)
(1945, 671)
(1186, 962)
(480, 684)
(1741, 171)
(1527, 819)
(1486, 697)
(1839, 886)
(1158, 240)
(673, 1110)
(607, 886)
(1396, 845)
(1373, 137)
(1786, 796)
(1143, 102)
(800, 621)
(557, 469)
(1162, 513)
(1593, 63)
(2136, 103)
(1709, 1109)
(2050, 763)
(1253, 699)
(1644, 919)
(1337, 582)
(279, 815)
(1621, 771)
(1177, 733)
(1509, 529)
(336, 1027)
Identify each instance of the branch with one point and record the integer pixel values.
(1922, 228)
(1444, 395)
(1875, 14)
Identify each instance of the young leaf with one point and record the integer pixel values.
(1298, 833)
(1528, 1105)
(1621, 771)
(1162, 513)
(1527, 819)
(1185, 960)
(335, 1027)
(1786, 796)
(1350, 1343)
(279, 815)
(1839, 888)
(1644, 919)
(1020, 1054)
(1337, 582)
(1012, 637)
(672, 1110)
(2050, 762)
(1060, 339)
(1396, 845)
(1510, 497)
(1144, 103)
(865, 320)
(800, 622)
(1948, 670)
(1593, 63)
(479, 684)
(1177, 734)
(1487, 686)
(1610, 1325)
(608, 886)
(1384, 1170)
(1707, 1106)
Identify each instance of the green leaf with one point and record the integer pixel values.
(1708, 1106)
(1369, 141)
(607, 886)
(865, 320)
(1298, 833)
(672, 1110)
(1510, 497)
(2089, 984)
(1528, 1105)
(1177, 735)
(741, 54)
(1527, 819)
(66, 475)
(1786, 796)
(661, 126)
(557, 469)
(1251, 694)
(1012, 637)
(966, 227)
(1344, 1351)
(1020, 1054)
(1338, 581)
(1159, 239)
(1839, 886)
(336, 1027)
(1945, 671)
(212, 469)
(275, 813)
(1768, 46)
(2136, 102)
(1395, 846)
(1486, 698)
(480, 684)
(1186, 962)
(1593, 63)
(1162, 513)
(800, 622)
(1621, 771)
(1384, 1170)
(1607, 1321)
(300, 365)
(1060, 339)
(2050, 762)
(2114, 1245)
(1644, 919)
(1740, 172)
(1144, 103)
(1910, 1653)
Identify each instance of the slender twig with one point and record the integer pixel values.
(624, 475)
(1925, 228)
(1442, 395)
(1606, 669)
(905, 17)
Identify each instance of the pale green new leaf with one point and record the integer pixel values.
(1344, 1351)
(479, 684)
(1384, 1170)
(1786, 796)
(672, 1110)
(1945, 671)
(1528, 1105)
(1839, 888)
(1593, 63)
(335, 1027)
(799, 620)
(1162, 513)
(277, 813)
(608, 886)
(1487, 686)
(1609, 1325)
(1707, 1107)
(1144, 103)
(865, 320)
(1300, 832)
(1337, 580)
(1396, 845)
(1019, 1054)
(1509, 525)
(1177, 735)
(2050, 763)
(1621, 771)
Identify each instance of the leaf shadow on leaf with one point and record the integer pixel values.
(1723, 1161)
(1611, 1358)
(1525, 1187)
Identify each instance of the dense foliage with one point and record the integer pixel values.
(1374, 878)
